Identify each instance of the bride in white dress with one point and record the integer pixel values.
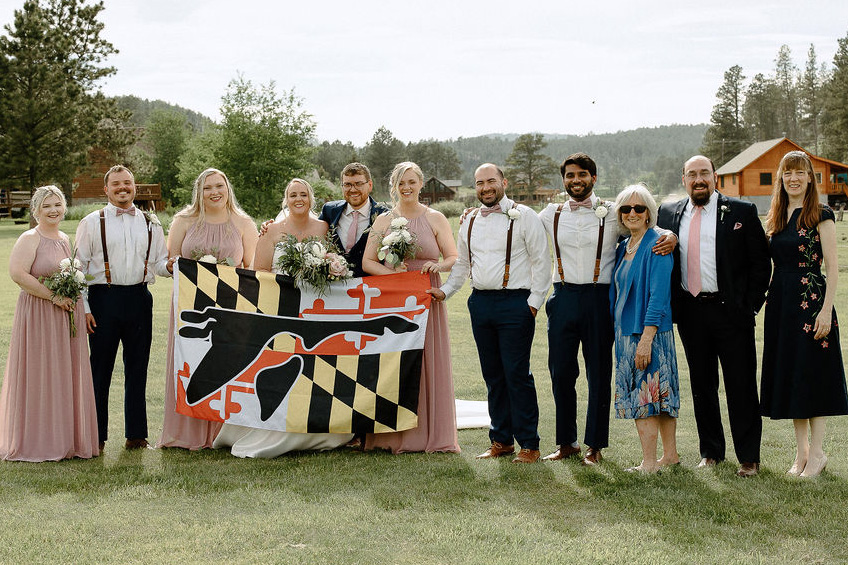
(299, 222)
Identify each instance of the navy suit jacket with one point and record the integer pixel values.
(645, 289)
(331, 212)
(742, 255)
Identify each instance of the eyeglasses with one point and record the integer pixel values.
(625, 208)
(349, 185)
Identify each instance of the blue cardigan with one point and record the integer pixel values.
(646, 290)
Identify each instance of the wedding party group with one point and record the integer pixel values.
(623, 273)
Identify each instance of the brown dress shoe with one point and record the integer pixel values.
(497, 449)
(562, 452)
(748, 470)
(706, 462)
(102, 447)
(136, 444)
(527, 456)
(593, 457)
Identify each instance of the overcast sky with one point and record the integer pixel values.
(450, 68)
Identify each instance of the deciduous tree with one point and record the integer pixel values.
(265, 142)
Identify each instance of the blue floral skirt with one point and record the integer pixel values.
(654, 391)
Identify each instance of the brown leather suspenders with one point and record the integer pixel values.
(508, 246)
(107, 270)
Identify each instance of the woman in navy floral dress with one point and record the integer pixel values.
(803, 376)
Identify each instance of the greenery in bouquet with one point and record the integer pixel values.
(212, 256)
(398, 245)
(314, 261)
(68, 282)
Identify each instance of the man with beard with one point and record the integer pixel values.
(503, 248)
(350, 219)
(718, 284)
(584, 235)
(121, 247)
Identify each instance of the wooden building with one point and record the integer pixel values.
(437, 190)
(88, 185)
(750, 175)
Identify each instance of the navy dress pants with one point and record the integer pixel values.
(124, 315)
(503, 328)
(579, 314)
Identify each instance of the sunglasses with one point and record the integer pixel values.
(625, 208)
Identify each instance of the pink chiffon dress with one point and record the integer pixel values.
(223, 241)
(436, 429)
(47, 409)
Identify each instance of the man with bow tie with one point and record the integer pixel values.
(584, 235)
(503, 249)
(123, 248)
(721, 273)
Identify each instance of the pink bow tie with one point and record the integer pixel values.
(574, 205)
(486, 211)
(130, 211)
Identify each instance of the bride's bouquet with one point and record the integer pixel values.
(398, 245)
(314, 261)
(68, 282)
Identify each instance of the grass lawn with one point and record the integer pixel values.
(172, 506)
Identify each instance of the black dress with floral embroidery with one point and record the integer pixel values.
(802, 377)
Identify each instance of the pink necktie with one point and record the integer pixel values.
(693, 254)
(351, 232)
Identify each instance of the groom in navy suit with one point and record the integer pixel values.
(350, 218)
(721, 273)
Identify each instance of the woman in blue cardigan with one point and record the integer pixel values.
(646, 379)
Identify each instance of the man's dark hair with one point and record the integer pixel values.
(581, 160)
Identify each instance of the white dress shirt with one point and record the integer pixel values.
(578, 242)
(529, 265)
(126, 242)
(709, 269)
(347, 217)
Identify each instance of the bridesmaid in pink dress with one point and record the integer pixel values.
(436, 429)
(213, 224)
(47, 409)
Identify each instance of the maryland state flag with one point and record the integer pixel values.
(252, 349)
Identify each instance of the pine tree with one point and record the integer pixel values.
(51, 111)
(727, 135)
(810, 98)
(836, 106)
(527, 167)
(758, 112)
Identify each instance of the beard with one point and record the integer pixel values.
(579, 191)
(700, 198)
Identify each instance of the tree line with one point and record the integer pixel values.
(52, 113)
(809, 106)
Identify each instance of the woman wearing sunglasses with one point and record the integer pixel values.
(646, 379)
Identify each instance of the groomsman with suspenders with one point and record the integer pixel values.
(122, 248)
(503, 249)
(584, 235)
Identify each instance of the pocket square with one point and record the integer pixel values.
(737, 226)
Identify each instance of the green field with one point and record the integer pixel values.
(171, 506)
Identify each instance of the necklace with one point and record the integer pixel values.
(631, 250)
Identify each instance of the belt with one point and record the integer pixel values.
(704, 296)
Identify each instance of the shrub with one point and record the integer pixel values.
(450, 208)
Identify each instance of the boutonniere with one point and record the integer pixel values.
(601, 209)
(722, 211)
(153, 218)
(513, 214)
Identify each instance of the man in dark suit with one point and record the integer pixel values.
(350, 218)
(721, 273)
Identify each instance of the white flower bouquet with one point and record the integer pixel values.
(68, 282)
(398, 245)
(211, 256)
(314, 261)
